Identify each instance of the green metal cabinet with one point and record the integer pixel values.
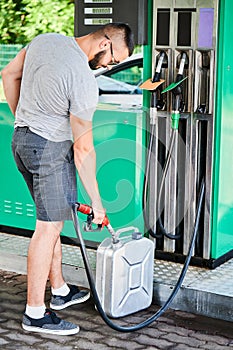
(119, 137)
(16, 205)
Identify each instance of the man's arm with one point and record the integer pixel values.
(85, 162)
(11, 79)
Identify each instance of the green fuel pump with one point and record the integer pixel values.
(196, 38)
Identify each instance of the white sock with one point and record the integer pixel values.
(35, 311)
(62, 291)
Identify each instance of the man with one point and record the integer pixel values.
(53, 94)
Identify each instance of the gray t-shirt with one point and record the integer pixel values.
(56, 81)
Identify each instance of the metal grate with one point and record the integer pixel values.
(218, 281)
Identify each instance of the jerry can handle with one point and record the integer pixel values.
(126, 229)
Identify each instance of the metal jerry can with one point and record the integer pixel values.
(124, 273)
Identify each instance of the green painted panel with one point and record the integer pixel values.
(222, 228)
(16, 205)
(119, 142)
(119, 138)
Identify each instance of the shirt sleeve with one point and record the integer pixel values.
(84, 98)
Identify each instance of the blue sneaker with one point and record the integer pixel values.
(75, 296)
(50, 324)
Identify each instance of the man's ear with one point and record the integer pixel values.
(104, 44)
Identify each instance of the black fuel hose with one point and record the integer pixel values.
(145, 187)
(91, 281)
(152, 232)
(165, 169)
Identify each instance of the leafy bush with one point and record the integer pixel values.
(22, 20)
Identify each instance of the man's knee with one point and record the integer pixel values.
(52, 228)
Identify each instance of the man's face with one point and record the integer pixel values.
(95, 63)
(107, 58)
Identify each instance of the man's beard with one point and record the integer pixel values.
(94, 63)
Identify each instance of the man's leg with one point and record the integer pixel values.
(55, 274)
(63, 295)
(40, 257)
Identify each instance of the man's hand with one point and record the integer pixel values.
(99, 215)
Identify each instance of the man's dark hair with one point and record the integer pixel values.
(123, 29)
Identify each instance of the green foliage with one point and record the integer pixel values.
(11, 21)
(44, 16)
(22, 20)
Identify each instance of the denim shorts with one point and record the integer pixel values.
(49, 171)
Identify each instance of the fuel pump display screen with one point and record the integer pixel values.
(206, 23)
(184, 28)
(163, 27)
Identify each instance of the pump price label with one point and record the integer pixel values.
(97, 1)
(98, 10)
(97, 21)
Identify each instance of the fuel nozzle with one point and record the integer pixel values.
(156, 98)
(157, 74)
(88, 226)
(183, 64)
(154, 86)
(177, 90)
(178, 102)
(204, 83)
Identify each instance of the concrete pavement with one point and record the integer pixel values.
(174, 330)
